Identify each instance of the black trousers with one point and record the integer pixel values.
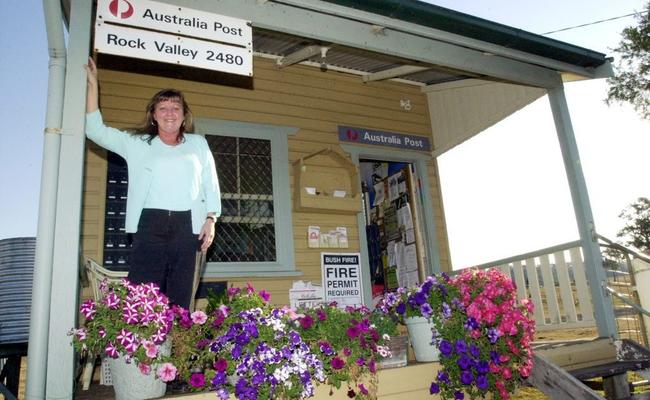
(164, 252)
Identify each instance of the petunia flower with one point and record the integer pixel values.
(167, 372)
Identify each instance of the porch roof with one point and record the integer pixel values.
(433, 16)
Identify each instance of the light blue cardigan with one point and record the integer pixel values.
(139, 155)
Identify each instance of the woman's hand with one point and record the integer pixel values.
(207, 234)
(92, 91)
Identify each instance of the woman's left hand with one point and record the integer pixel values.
(207, 234)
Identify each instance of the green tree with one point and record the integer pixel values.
(636, 231)
(631, 82)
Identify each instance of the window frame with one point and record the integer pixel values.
(282, 215)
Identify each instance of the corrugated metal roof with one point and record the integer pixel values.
(281, 45)
(16, 273)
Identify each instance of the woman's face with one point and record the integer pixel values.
(169, 116)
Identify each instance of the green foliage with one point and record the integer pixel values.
(631, 83)
(636, 232)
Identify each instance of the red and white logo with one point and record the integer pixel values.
(121, 8)
(353, 135)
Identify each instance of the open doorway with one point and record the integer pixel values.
(392, 208)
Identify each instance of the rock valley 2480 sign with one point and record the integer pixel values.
(161, 32)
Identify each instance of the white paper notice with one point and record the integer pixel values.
(391, 254)
(393, 190)
(342, 233)
(410, 258)
(313, 236)
(404, 217)
(379, 193)
(339, 193)
(410, 236)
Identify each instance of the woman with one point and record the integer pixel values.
(173, 195)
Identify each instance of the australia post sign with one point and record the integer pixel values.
(166, 33)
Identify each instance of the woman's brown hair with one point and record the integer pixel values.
(149, 127)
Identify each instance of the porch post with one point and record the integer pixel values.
(602, 303)
(65, 262)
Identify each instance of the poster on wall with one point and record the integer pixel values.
(342, 278)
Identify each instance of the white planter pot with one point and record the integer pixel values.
(131, 384)
(421, 332)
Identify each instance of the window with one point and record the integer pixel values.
(254, 235)
(246, 229)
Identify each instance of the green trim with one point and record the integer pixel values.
(432, 16)
(277, 134)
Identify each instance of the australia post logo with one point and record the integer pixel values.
(120, 8)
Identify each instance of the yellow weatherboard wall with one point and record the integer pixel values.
(304, 97)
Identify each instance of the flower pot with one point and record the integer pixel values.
(398, 346)
(131, 384)
(421, 332)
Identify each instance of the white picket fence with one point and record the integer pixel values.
(554, 279)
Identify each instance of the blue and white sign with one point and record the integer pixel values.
(382, 138)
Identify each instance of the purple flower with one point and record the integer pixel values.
(197, 380)
(223, 394)
(471, 324)
(493, 335)
(434, 388)
(483, 367)
(443, 377)
(322, 315)
(337, 363)
(353, 332)
(494, 357)
(361, 361)
(220, 365)
(306, 322)
(466, 377)
(347, 351)
(458, 395)
(461, 346)
(419, 298)
(401, 308)
(426, 310)
(219, 379)
(464, 362)
(482, 382)
(445, 348)
(446, 310)
(474, 350)
(294, 337)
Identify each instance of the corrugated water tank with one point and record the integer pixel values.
(16, 273)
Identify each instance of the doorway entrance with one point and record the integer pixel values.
(393, 217)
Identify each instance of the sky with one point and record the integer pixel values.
(504, 191)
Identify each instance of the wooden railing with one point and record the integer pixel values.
(554, 279)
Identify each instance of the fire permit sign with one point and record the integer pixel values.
(342, 278)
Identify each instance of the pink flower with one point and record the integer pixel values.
(144, 368)
(88, 308)
(199, 317)
(151, 350)
(266, 296)
(363, 389)
(167, 372)
(506, 373)
(110, 350)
